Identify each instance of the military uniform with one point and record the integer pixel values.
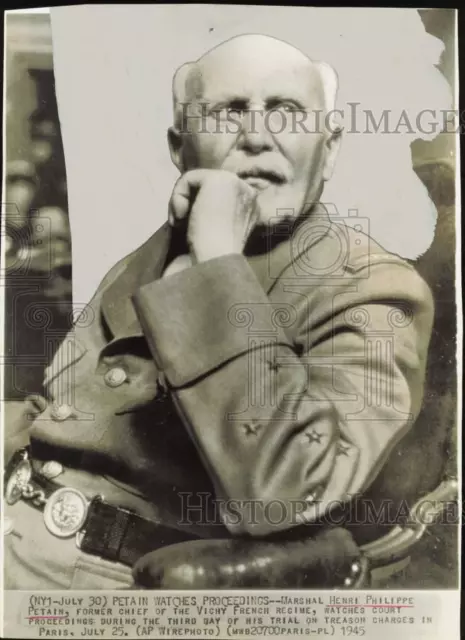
(242, 396)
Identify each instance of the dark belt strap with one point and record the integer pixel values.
(122, 536)
(108, 531)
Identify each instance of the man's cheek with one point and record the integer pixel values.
(309, 163)
(200, 152)
(214, 153)
(305, 148)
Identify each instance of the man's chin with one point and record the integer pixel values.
(271, 212)
(274, 218)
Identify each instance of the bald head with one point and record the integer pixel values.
(250, 59)
(246, 49)
(253, 105)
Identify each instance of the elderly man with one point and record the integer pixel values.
(249, 367)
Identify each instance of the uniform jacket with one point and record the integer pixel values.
(261, 390)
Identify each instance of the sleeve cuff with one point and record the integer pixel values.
(198, 319)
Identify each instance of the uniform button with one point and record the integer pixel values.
(115, 377)
(61, 412)
(51, 469)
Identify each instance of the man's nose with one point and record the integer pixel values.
(255, 135)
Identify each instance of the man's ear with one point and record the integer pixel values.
(332, 146)
(175, 144)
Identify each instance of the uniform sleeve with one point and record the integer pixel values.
(288, 429)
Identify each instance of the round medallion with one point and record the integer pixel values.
(65, 512)
(51, 469)
(18, 481)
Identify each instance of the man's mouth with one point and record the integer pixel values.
(261, 178)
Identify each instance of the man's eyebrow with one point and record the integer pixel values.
(231, 100)
(243, 102)
(274, 101)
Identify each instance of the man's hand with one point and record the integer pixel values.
(219, 209)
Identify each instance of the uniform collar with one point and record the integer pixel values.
(147, 264)
(299, 238)
(143, 266)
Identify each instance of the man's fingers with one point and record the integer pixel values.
(182, 195)
(178, 208)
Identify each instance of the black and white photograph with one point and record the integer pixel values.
(231, 319)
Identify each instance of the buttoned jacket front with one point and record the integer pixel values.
(281, 380)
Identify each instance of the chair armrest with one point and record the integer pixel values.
(323, 561)
(398, 543)
(331, 559)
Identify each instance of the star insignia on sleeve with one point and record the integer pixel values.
(314, 436)
(342, 449)
(251, 427)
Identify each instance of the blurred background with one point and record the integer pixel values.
(37, 241)
(37, 246)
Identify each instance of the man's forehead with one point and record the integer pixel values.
(258, 66)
